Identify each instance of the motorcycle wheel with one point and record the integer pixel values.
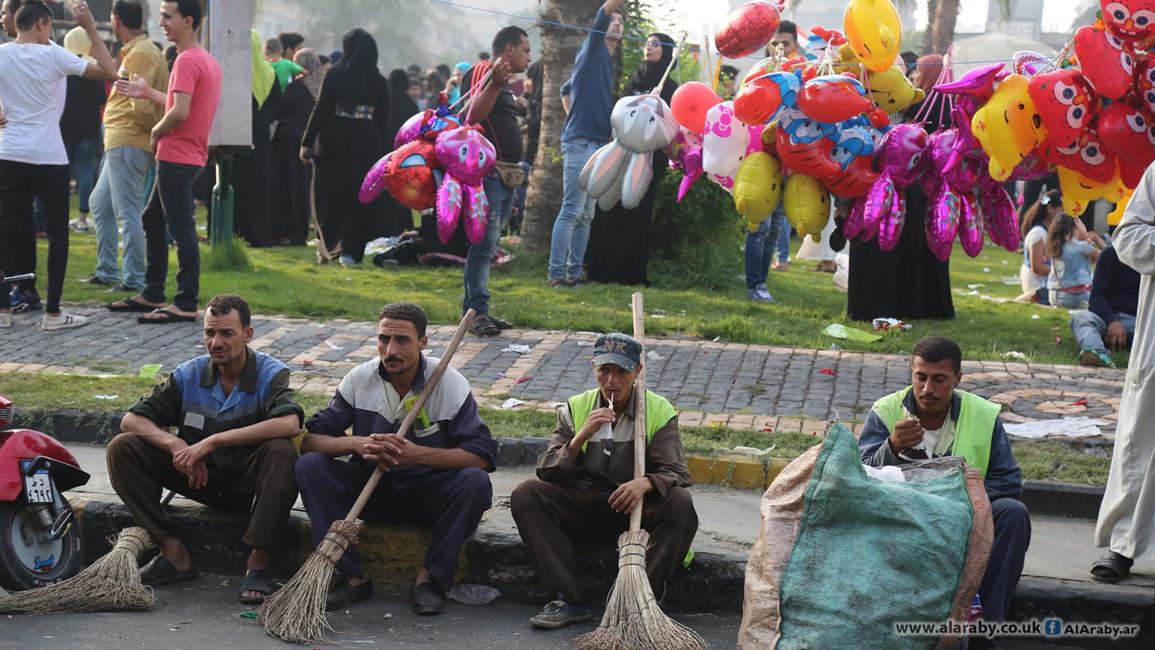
(28, 558)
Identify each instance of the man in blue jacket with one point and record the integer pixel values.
(1110, 320)
(933, 418)
(588, 99)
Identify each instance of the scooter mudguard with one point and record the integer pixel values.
(27, 444)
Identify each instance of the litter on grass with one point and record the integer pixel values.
(149, 370)
(1015, 355)
(511, 404)
(1066, 427)
(839, 331)
(106, 397)
(887, 324)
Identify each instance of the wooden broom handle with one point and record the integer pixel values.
(639, 310)
(407, 423)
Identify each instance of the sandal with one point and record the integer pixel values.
(257, 580)
(164, 317)
(162, 572)
(1111, 567)
(131, 304)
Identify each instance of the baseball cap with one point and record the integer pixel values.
(621, 350)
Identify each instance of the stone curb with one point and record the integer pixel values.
(392, 554)
(739, 472)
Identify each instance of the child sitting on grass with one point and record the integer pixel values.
(1073, 250)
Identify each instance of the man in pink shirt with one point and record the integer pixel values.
(181, 142)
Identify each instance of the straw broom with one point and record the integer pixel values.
(633, 619)
(296, 612)
(112, 583)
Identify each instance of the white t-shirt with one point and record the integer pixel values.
(32, 90)
(1027, 277)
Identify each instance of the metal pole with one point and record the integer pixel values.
(223, 202)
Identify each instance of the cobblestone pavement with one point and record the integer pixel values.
(736, 385)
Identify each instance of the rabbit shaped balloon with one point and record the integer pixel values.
(467, 157)
(622, 170)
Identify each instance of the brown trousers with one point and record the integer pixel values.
(262, 484)
(552, 517)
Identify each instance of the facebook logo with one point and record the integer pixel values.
(1052, 627)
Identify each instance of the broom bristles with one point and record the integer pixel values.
(633, 618)
(111, 583)
(296, 612)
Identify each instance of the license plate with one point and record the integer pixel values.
(38, 487)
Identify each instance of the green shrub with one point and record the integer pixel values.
(696, 243)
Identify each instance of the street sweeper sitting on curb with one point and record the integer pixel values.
(584, 492)
(235, 417)
(436, 475)
(933, 418)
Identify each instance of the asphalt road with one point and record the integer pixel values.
(205, 615)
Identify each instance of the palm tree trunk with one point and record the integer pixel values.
(942, 15)
(559, 47)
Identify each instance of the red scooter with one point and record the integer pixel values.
(40, 540)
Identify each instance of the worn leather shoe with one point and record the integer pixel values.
(343, 594)
(427, 598)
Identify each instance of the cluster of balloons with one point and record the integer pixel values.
(437, 161)
(815, 125)
(801, 129)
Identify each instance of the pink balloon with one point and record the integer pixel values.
(902, 155)
(1002, 222)
(970, 231)
(852, 227)
(374, 183)
(409, 131)
(879, 202)
(978, 82)
(1032, 168)
(890, 228)
(943, 222)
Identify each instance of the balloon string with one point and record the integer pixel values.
(674, 62)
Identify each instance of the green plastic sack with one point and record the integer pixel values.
(841, 557)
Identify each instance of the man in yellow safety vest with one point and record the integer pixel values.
(585, 488)
(933, 418)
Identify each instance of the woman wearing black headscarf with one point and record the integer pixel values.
(619, 246)
(291, 202)
(347, 133)
(393, 217)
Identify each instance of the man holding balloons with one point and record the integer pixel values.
(588, 99)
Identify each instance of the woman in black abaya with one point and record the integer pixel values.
(619, 246)
(909, 282)
(350, 123)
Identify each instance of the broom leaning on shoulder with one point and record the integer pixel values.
(296, 612)
(633, 619)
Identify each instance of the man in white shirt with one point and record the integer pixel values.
(33, 161)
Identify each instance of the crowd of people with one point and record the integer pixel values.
(137, 149)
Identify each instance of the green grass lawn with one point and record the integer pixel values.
(288, 281)
(50, 392)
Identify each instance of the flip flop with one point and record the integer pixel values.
(130, 304)
(168, 317)
(1111, 567)
(162, 572)
(257, 580)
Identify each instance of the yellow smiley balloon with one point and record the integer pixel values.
(873, 30)
(1008, 126)
(757, 187)
(892, 91)
(1116, 216)
(807, 205)
(1079, 191)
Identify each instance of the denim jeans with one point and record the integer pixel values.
(571, 229)
(20, 185)
(84, 157)
(480, 255)
(117, 201)
(170, 210)
(760, 247)
(783, 238)
(1067, 300)
(1089, 329)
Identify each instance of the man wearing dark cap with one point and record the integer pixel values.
(585, 488)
